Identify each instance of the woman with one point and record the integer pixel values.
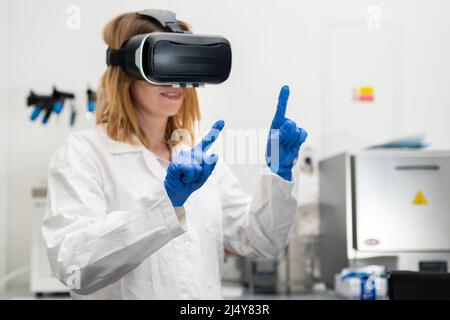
(126, 220)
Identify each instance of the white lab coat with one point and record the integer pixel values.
(112, 232)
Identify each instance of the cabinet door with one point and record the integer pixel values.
(402, 202)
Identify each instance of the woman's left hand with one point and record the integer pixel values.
(284, 141)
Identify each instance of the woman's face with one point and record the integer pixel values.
(156, 100)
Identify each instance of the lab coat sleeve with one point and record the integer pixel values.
(89, 247)
(258, 226)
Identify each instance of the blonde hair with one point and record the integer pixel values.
(114, 102)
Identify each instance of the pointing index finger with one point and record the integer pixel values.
(208, 140)
(282, 104)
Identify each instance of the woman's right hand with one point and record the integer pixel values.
(190, 169)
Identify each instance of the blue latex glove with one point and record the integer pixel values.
(284, 141)
(190, 169)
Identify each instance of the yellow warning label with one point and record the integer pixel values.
(420, 199)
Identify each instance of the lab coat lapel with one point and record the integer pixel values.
(153, 165)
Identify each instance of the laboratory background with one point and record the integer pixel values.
(369, 81)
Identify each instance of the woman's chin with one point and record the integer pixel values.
(171, 109)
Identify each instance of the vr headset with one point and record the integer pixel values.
(177, 58)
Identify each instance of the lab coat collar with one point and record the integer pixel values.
(117, 147)
(150, 159)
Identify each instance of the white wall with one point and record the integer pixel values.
(274, 42)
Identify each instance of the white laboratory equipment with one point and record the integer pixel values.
(41, 279)
(385, 207)
(361, 284)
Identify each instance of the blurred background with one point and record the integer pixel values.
(361, 73)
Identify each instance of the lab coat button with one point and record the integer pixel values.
(188, 247)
